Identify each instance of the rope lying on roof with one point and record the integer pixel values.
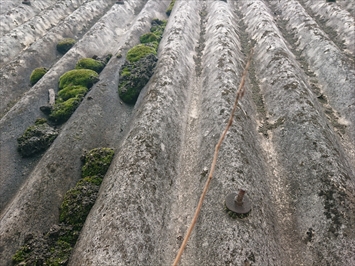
(240, 93)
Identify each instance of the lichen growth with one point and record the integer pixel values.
(82, 77)
(64, 45)
(37, 74)
(139, 51)
(89, 63)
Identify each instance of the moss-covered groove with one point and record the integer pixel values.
(36, 178)
(55, 246)
(140, 63)
(146, 162)
(65, 44)
(170, 8)
(37, 74)
(73, 86)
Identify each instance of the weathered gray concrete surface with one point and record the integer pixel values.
(105, 37)
(291, 146)
(21, 37)
(307, 155)
(30, 199)
(39, 50)
(136, 196)
(347, 5)
(336, 22)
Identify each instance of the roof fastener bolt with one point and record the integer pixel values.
(238, 203)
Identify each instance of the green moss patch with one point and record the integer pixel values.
(129, 95)
(157, 30)
(59, 253)
(24, 254)
(54, 247)
(159, 22)
(97, 161)
(35, 139)
(125, 72)
(47, 249)
(72, 92)
(82, 77)
(73, 85)
(64, 45)
(170, 8)
(89, 63)
(154, 45)
(139, 51)
(40, 121)
(77, 203)
(149, 37)
(134, 76)
(37, 74)
(141, 60)
(62, 111)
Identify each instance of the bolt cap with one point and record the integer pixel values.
(232, 206)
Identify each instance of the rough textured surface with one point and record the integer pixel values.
(54, 247)
(35, 139)
(134, 76)
(291, 146)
